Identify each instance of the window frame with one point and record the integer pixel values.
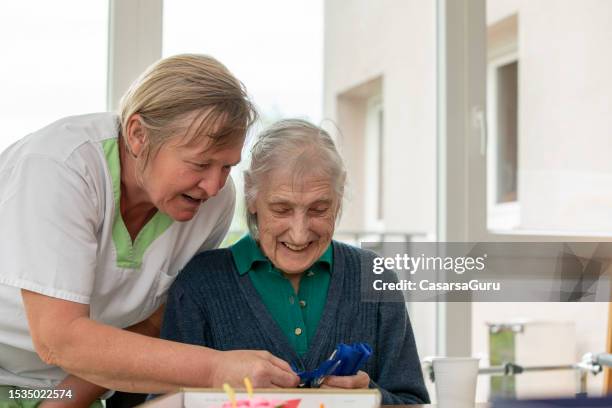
(140, 21)
(500, 216)
(374, 174)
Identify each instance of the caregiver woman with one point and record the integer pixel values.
(99, 213)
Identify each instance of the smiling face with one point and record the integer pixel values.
(180, 178)
(295, 221)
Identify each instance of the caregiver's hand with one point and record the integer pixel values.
(359, 380)
(262, 368)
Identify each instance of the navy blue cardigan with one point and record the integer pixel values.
(211, 305)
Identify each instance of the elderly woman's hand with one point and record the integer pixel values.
(359, 380)
(263, 369)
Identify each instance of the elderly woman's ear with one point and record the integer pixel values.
(338, 208)
(136, 137)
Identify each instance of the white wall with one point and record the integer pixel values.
(395, 42)
(565, 119)
(388, 47)
(565, 116)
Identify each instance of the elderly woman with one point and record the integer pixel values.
(287, 287)
(99, 213)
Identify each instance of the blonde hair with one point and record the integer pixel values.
(187, 86)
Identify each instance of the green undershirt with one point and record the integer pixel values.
(296, 315)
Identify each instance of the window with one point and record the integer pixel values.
(563, 178)
(54, 62)
(503, 209)
(506, 126)
(277, 56)
(374, 165)
(548, 167)
(360, 118)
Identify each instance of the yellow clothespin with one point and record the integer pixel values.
(249, 387)
(230, 393)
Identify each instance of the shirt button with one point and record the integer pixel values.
(291, 300)
(298, 331)
(310, 273)
(302, 303)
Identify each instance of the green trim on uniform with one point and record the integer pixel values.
(297, 315)
(129, 254)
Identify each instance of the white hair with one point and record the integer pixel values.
(297, 145)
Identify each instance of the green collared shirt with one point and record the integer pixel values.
(297, 315)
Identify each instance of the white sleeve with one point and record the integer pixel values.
(217, 234)
(49, 217)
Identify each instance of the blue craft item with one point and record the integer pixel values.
(326, 369)
(314, 378)
(352, 358)
(345, 360)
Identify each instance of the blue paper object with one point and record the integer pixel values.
(345, 360)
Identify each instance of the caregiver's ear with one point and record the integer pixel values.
(136, 137)
(251, 207)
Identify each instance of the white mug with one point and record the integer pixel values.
(455, 380)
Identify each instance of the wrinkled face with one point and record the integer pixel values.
(180, 178)
(295, 222)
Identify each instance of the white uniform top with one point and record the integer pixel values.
(63, 236)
